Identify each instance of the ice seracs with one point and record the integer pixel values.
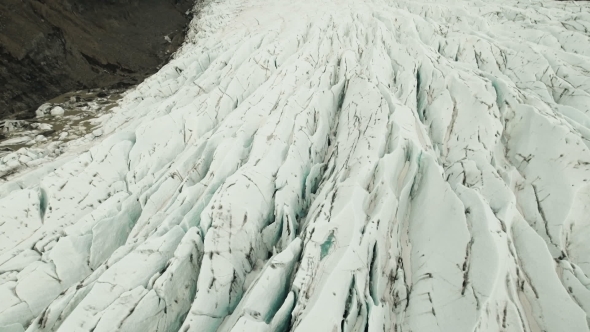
(323, 166)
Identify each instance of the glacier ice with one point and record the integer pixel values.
(355, 165)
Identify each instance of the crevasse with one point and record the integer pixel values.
(324, 166)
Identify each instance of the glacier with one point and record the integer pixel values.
(351, 165)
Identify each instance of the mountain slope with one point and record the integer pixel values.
(324, 166)
(51, 47)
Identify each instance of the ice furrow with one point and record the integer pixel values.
(357, 165)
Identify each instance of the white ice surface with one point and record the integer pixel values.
(324, 166)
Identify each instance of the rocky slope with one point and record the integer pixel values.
(351, 165)
(51, 47)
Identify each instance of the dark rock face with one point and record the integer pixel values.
(49, 47)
